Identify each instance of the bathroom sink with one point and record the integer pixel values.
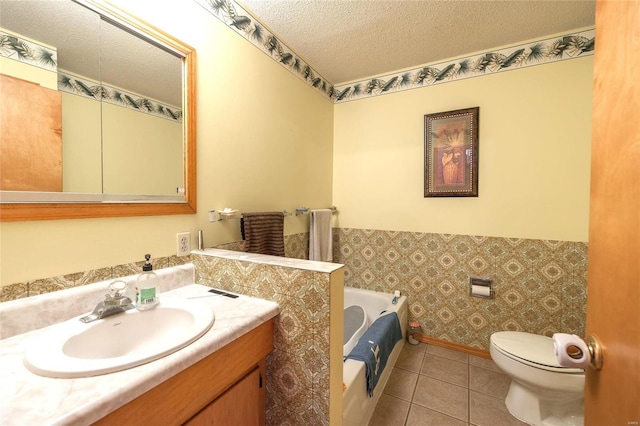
(76, 349)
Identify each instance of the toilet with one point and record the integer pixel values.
(542, 392)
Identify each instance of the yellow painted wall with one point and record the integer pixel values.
(142, 153)
(81, 144)
(27, 72)
(264, 143)
(535, 138)
(130, 153)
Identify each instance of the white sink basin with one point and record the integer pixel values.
(75, 349)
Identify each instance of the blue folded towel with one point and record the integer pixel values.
(375, 346)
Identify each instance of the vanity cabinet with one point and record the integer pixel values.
(226, 387)
(237, 406)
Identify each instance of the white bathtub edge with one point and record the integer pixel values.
(358, 408)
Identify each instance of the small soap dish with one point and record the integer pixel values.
(228, 212)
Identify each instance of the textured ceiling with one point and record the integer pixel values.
(343, 40)
(349, 40)
(94, 49)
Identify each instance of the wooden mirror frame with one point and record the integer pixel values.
(12, 212)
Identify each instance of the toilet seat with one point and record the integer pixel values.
(530, 349)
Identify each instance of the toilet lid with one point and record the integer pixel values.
(531, 349)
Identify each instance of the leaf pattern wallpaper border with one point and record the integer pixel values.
(569, 46)
(17, 48)
(20, 49)
(70, 83)
(245, 24)
(541, 51)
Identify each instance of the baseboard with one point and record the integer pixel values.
(455, 346)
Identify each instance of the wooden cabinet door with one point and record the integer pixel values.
(30, 136)
(238, 406)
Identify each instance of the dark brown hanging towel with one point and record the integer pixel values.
(264, 232)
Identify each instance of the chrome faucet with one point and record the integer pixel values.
(115, 302)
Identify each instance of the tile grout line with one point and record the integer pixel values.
(424, 357)
(415, 388)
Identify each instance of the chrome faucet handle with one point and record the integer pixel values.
(115, 302)
(117, 289)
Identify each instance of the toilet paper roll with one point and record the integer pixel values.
(571, 351)
(480, 290)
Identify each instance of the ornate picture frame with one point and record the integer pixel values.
(451, 153)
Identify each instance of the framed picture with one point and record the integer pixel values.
(451, 153)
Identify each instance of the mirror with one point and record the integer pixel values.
(119, 131)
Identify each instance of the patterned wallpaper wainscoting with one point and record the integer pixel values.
(298, 378)
(296, 247)
(77, 279)
(540, 285)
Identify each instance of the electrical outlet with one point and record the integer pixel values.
(184, 243)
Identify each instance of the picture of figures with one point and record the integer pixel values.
(451, 151)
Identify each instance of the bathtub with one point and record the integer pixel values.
(357, 407)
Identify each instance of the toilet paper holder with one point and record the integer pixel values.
(481, 287)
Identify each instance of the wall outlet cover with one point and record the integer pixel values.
(184, 244)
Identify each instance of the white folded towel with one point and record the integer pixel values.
(320, 238)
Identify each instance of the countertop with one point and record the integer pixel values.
(29, 399)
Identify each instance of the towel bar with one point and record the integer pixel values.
(306, 210)
(237, 215)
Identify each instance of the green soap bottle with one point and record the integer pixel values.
(147, 287)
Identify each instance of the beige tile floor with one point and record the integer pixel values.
(434, 386)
